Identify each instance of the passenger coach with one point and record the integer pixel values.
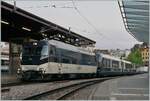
(112, 66)
(50, 59)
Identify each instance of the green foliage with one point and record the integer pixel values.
(135, 57)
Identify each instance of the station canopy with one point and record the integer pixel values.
(135, 15)
(18, 24)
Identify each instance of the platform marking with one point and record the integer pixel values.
(142, 77)
(112, 98)
(130, 94)
(134, 88)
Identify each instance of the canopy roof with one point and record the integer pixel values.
(18, 24)
(135, 14)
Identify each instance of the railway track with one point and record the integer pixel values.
(61, 93)
(15, 84)
(7, 87)
(30, 82)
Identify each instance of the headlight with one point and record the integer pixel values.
(18, 70)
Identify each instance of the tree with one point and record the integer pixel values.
(135, 57)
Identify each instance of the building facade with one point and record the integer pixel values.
(120, 53)
(145, 55)
(123, 54)
(103, 51)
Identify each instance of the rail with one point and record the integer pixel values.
(62, 92)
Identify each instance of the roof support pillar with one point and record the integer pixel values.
(14, 57)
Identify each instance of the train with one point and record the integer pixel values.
(48, 59)
(112, 66)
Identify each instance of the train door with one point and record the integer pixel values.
(54, 64)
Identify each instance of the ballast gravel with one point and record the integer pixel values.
(23, 91)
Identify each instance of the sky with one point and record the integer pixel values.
(100, 21)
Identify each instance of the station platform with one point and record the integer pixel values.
(8, 78)
(125, 88)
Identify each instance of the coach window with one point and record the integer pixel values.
(52, 50)
(92, 60)
(121, 64)
(65, 60)
(126, 66)
(84, 59)
(115, 64)
(104, 62)
(74, 61)
(108, 63)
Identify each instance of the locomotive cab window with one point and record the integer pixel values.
(35, 50)
(44, 50)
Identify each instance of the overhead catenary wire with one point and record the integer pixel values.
(52, 5)
(75, 7)
(97, 31)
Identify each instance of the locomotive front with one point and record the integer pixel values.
(34, 60)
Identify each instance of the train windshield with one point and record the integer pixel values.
(35, 50)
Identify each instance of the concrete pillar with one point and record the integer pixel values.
(14, 57)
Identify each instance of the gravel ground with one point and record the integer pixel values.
(23, 91)
(83, 94)
(7, 78)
